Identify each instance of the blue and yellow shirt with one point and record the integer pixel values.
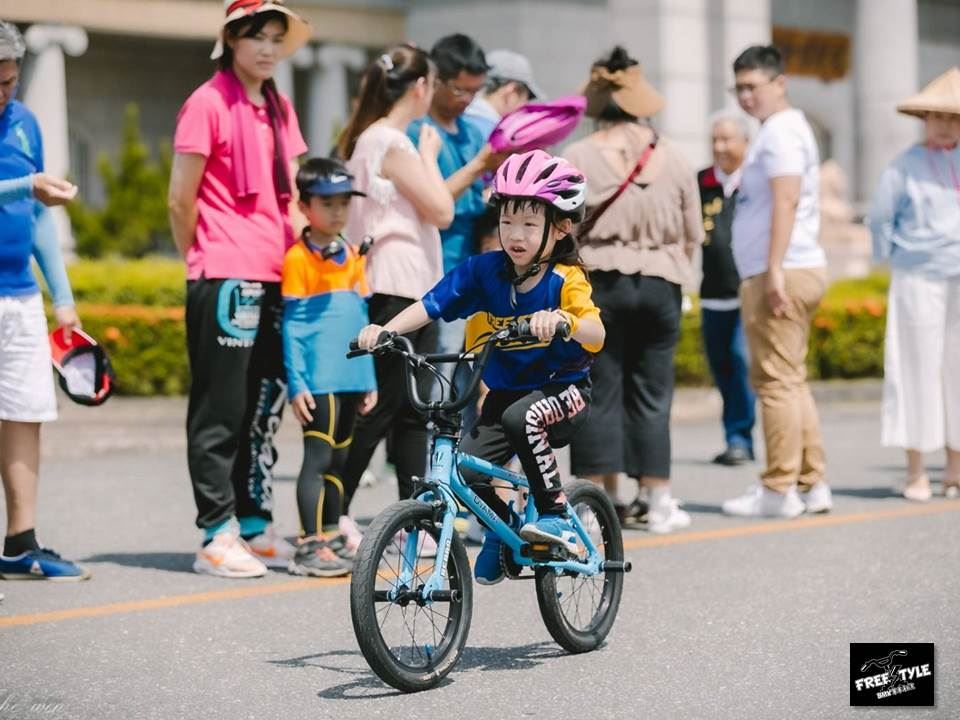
(479, 289)
(323, 310)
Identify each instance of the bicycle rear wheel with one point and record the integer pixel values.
(580, 610)
(409, 644)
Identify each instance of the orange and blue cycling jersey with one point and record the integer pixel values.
(324, 307)
(479, 289)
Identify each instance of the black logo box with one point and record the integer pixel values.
(913, 663)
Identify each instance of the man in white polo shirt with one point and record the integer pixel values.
(783, 271)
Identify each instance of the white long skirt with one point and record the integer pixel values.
(921, 385)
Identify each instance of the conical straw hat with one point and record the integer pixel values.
(941, 95)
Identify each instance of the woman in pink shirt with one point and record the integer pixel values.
(406, 201)
(231, 194)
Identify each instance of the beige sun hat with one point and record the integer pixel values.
(298, 29)
(628, 88)
(941, 95)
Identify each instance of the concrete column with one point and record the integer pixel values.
(46, 96)
(745, 23)
(685, 76)
(328, 101)
(885, 57)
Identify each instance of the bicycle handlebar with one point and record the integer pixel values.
(391, 342)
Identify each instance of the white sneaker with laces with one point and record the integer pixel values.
(272, 549)
(818, 499)
(667, 518)
(759, 501)
(228, 556)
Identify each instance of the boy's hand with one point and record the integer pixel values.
(544, 323)
(367, 339)
(302, 405)
(368, 403)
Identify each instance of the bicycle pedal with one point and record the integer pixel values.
(544, 552)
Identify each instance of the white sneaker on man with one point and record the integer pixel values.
(759, 501)
(818, 499)
(272, 549)
(228, 556)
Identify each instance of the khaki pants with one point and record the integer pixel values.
(778, 350)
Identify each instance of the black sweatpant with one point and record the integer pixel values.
(393, 417)
(237, 393)
(326, 443)
(528, 424)
(629, 426)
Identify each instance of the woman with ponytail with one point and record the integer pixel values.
(231, 195)
(406, 202)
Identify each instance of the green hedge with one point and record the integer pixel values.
(154, 281)
(146, 345)
(136, 309)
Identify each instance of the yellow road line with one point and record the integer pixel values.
(240, 593)
(802, 523)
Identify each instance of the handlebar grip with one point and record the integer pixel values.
(523, 329)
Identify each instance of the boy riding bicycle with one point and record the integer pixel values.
(539, 393)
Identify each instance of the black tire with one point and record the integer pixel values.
(419, 665)
(562, 597)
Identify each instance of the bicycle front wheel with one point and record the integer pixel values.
(411, 644)
(579, 610)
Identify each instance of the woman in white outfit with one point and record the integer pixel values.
(915, 221)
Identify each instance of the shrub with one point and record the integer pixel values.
(135, 308)
(154, 281)
(133, 222)
(146, 345)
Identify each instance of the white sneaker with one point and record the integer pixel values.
(818, 499)
(271, 549)
(351, 531)
(667, 518)
(228, 556)
(759, 501)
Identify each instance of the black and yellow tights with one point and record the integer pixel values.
(326, 442)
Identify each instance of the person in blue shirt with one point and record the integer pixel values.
(463, 159)
(539, 393)
(46, 188)
(27, 396)
(915, 222)
(324, 289)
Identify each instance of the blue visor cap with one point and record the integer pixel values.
(338, 184)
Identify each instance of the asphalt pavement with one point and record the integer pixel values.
(730, 619)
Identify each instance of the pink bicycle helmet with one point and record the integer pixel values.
(538, 125)
(540, 176)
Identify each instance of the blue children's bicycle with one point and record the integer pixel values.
(411, 610)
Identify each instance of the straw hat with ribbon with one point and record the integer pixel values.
(298, 29)
(628, 88)
(941, 95)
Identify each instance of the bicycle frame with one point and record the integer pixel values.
(443, 478)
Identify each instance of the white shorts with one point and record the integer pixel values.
(26, 372)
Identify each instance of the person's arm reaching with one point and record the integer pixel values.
(417, 177)
(485, 161)
(411, 318)
(185, 177)
(46, 251)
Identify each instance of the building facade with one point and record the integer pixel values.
(850, 61)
